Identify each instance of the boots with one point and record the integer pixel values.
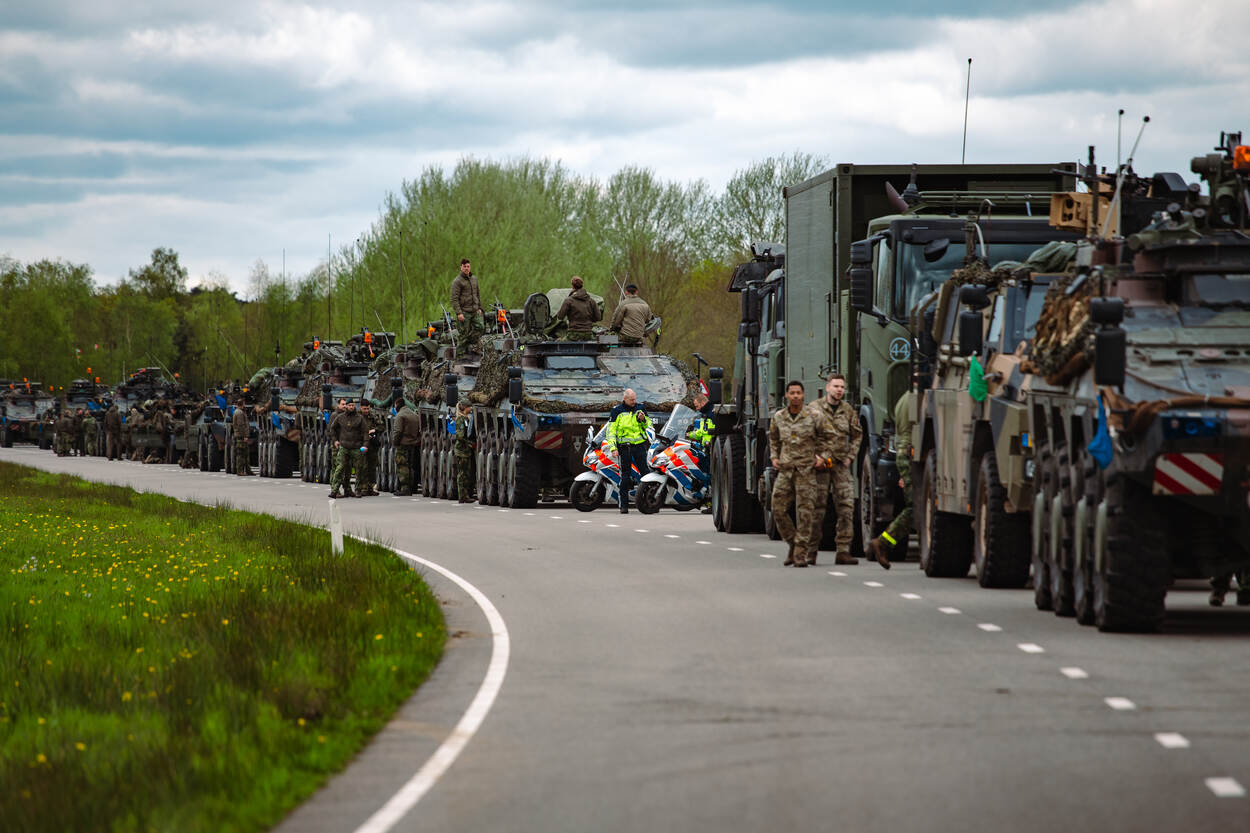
(789, 562)
(335, 494)
(877, 549)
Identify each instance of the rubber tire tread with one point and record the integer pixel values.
(1008, 559)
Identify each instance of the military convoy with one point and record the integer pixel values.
(23, 406)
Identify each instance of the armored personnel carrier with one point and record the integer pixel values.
(329, 373)
(278, 433)
(93, 398)
(22, 409)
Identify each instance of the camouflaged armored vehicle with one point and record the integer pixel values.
(93, 398)
(23, 406)
(276, 389)
(330, 371)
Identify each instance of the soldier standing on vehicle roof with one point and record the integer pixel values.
(348, 430)
(627, 434)
(795, 436)
(113, 432)
(631, 316)
(406, 437)
(466, 305)
(899, 528)
(375, 424)
(843, 434)
(462, 451)
(580, 311)
(242, 433)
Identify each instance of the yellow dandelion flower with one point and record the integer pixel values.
(225, 621)
(301, 721)
(126, 695)
(41, 758)
(80, 746)
(377, 636)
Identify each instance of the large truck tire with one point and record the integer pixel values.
(1001, 540)
(1061, 516)
(739, 515)
(527, 483)
(715, 460)
(1131, 582)
(945, 538)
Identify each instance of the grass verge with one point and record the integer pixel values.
(167, 666)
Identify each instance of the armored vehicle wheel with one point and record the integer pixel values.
(650, 497)
(1083, 529)
(1041, 533)
(262, 457)
(1000, 545)
(508, 471)
(494, 463)
(446, 472)
(528, 467)
(587, 496)
(425, 475)
(286, 455)
(203, 454)
(945, 538)
(6, 438)
(1131, 579)
(868, 526)
(216, 456)
(1059, 555)
(482, 458)
(715, 467)
(325, 460)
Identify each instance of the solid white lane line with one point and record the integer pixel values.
(1120, 704)
(1074, 673)
(734, 549)
(873, 584)
(988, 628)
(766, 555)
(950, 611)
(1172, 740)
(910, 595)
(703, 542)
(1031, 648)
(836, 573)
(427, 776)
(1226, 788)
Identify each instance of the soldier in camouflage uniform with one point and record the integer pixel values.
(900, 527)
(406, 438)
(76, 432)
(349, 431)
(242, 431)
(375, 424)
(90, 434)
(64, 434)
(462, 451)
(795, 434)
(113, 432)
(842, 435)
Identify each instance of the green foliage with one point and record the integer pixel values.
(224, 661)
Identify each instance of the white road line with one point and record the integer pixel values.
(583, 522)
(1172, 740)
(1031, 648)
(1226, 788)
(529, 514)
(402, 802)
(642, 530)
(989, 628)
(910, 595)
(950, 611)
(1120, 704)
(838, 574)
(614, 526)
(670, 535)
(703, 542)
(734, 549)
(503, 510)
(1074, 673)
(873, 584)
(556, 517)
(766, 555)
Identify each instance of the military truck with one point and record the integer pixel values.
(22, 409)
(858, 254)
(1139, 390)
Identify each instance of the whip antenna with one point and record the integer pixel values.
(963, 155)
(1119, 129)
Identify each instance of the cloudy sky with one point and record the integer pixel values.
(232, 130)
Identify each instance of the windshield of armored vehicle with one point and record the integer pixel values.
(21, 409)
(679, 422)
(605, 377)
(1218, 290)
(914, 277)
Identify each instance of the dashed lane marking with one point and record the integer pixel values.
(1172, 740)
(1120, 704)
(1074, 673)
(529, 514)
(613, 526)
(583, 522)
(989, 628)
(1226, 788)
(556, 517)
(642, 530)
(703, 542)
(734, 549)
(671, 535)
(1031, 648)
(766, 555)
(910, 596)
(837, 573)
(503, 510)
(949, 611)
(873, 584)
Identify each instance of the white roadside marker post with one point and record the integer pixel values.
(336, 528)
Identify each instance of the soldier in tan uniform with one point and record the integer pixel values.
(795, 434)
(843, 434)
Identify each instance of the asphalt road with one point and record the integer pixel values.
(666, 677)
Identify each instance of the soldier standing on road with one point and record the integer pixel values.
(76, 432)
(113, 432)
(242, 430)
(580, 311)
(627, 434)
(90, 434)
(375, 425)
(843, 434)
(1221, 584)
(466, 305)
(462, 451)
(899, 528)
(348, 430)
(64, 434)
(191, 457)
(631, 316)
(406, 437)
(795, 435)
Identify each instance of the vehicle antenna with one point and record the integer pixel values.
(1119, 180)
(1119, 129)
(963, 156)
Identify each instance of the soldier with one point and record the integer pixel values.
(76, 435)
(91, 434)
(113, 432)
(1221, 584)
(795, 435)
(466, 305)
(191, 457)
(242, 430)
(462, 451)
(64, 434)
(631, 316)
(843, 434)
(899, 528)
(406, 437)
(160, 426)
(580, 311)
(348, 430)
(627, 435)
(375, 424)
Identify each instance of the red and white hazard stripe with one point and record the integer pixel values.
(548, 440)
(1188, 474)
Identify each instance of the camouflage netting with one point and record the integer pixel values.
(1048, 259)
(310, 394)
(492, 375)
(1064, 345)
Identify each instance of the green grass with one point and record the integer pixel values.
(172, 667)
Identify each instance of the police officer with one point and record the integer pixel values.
(899, 528)
(627, 434)
(700, 435)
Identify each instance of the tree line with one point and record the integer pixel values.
(527, 225)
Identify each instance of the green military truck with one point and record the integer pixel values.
(849, 232)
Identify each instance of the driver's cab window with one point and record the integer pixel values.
(996, 325)
(883, 274)
(766, 312)
(779, 310)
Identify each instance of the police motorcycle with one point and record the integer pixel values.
(601, 482)
(676, 478)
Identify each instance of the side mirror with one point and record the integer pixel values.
(327, 401)
(935, 250)
(1106, 310)
(716, 385)
(1110, 356)
(514, 385)
(974, 296)
(970, 336)
(451, 393)
(861, 289)
(861, 253)
(750, 303)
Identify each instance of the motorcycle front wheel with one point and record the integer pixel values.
(586, 496)
(650, 497)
